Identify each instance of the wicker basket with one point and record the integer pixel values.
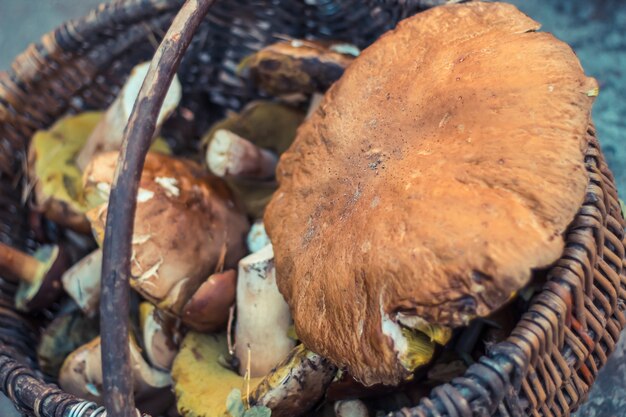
(549, 362)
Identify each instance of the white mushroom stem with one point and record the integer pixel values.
(263, 317)
(109, 132)
(82, 282)
(351, 408)
(230, 155)
(257, 238)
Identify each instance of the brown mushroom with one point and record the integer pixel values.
(109, 132)
(38, 275)
(81, 375)
(82, 282)
(298, 66)
(57, 156)
(184, 219)
(263, 318)
(439, 172)
(209, 307)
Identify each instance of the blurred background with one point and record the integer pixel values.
(596, 30)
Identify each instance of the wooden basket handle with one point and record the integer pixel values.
(115, 306)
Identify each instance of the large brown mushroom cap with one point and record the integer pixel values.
(441, 169)
(184, 218)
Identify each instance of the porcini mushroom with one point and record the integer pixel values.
(38, 275)
(82, 282)
(298, 66)
(57, 156)
(108, 134)
(263, 130)
(442, 169)
(209, 307)
(263, 318)
(81, 375)
(291, 389)
(161, 336)
(184, 219)
(230, 155)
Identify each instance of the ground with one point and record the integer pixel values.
(595, 30)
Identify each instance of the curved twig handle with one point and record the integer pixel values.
(114, 306)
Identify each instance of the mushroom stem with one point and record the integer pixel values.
(108, 133)
(18, 265)
(82, 282)
(230, 155)
(263, 317)
(296, 384)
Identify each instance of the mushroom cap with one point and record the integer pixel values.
(52, 169)
(440, 170)
(81, 374)
(46, 286)
(298, 66)
(209, 307)
(183, 219)
(201, 382)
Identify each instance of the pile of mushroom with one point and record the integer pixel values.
(344, 243)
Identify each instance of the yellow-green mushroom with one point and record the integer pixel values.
(203, 383)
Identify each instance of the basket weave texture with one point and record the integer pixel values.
(547, 365)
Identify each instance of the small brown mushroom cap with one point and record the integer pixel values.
(440, 170)
(298, 66)
(184, 217)
(209, 307)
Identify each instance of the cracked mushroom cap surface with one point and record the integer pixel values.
(439, 171)
(184, 216)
